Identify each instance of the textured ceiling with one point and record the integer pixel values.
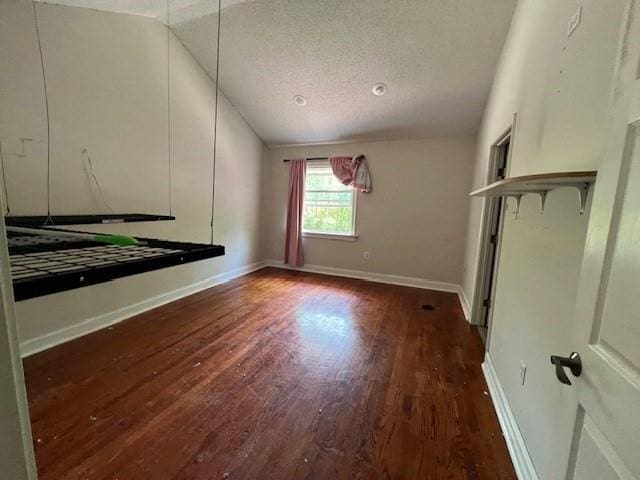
(438, 58)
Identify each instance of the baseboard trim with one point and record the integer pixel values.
(513, 437)
(371, 276)
(464, 304)
(39, 344)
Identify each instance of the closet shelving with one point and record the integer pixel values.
(540, 184)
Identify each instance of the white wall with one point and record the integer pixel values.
(107, 81)
(107, 84)
(413, 222)
(560, 88)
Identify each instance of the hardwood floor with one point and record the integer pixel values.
(275, 375)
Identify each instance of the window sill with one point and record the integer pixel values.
(330, 236)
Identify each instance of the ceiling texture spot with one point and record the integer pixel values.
(437, 57)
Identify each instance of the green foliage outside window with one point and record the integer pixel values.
(328, 219)
(328, 205)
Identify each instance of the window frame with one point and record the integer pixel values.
(352, 235)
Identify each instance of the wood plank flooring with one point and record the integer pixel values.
(275, 375)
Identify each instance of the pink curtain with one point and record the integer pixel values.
(343, 169)
(293, 245)
(352, 171)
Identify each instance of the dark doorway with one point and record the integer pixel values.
(495, 209)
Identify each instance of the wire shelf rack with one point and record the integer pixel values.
(46, 264)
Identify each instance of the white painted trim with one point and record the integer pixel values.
(464, 303)
(12, 382)
(331, 236)
(515, 442)
(66, 334)
(484, 234)
(371, 276)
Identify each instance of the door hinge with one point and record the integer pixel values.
(493, 238)
(486, 302)
(500, 173)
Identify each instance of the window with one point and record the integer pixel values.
(329, 206)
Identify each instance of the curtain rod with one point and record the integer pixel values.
(313, 158)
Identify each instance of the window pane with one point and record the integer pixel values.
(323, 180)
(338, 199)
(328, 205)
(329, 219)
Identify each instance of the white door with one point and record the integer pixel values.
(606, 443)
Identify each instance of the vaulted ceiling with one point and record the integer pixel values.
(437, 57)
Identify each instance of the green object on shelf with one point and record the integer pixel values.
(118, 240)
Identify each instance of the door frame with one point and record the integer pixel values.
(12, 383)
(489, 209)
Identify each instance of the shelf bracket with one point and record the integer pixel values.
(517, 197)
(583, 191)
(543, 199)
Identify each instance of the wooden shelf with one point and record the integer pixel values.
(536, 183)
(540, 185)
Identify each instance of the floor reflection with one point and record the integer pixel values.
(327, 332)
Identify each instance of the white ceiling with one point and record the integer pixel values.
(179, 10)
(438, 58)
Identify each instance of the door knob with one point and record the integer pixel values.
(573, 361)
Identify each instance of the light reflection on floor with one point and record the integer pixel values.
(328, 337)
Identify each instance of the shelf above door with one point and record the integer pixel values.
(540, 184)
(535, 183)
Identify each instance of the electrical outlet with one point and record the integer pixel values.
(574, 21)
(523, 372)
(366, 255)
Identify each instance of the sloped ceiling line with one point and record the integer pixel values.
(437, 57)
